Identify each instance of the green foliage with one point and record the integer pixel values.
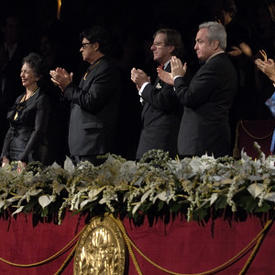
(155, 187)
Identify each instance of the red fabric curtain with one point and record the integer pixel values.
(180, 246)
(249, 131)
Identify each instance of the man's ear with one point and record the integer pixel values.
(95, 46)
(171, 49)
(215, 44)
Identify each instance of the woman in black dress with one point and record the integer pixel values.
(25, 140)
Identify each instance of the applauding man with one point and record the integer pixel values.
(207, 99)
(94, 101)
(160, 114)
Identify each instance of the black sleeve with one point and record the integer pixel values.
(200, 88)
(163, 99)
(40, 127)
(6, 144)
(95, 97)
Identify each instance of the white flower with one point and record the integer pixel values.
(158, 86)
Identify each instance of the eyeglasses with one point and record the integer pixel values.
(159, 44)
(84, 45)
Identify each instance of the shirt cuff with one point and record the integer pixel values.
(142, 88)
(177, 76)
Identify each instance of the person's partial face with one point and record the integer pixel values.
(11, 30)
(227, 16)
(88, 50)
(161, 52)
(45, 46)
(203, 47)
(28, 76)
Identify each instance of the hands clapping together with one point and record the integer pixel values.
(61, 77)
(177, 69)
(139, 77)
(20, 164)
(267, 67)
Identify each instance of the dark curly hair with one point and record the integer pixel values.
(35, 61)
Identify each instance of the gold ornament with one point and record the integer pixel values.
(101, 249)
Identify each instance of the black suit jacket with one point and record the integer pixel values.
(94, 110)
(205, 123)
(27, 134)
(161, 119)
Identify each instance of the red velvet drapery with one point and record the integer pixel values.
(179, 246)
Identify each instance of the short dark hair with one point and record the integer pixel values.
(35, 61)
(100, 35)
(173, 38)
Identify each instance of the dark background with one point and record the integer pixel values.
(132, 24)
(136, 20)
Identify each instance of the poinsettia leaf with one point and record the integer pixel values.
(136, 207)
(162, 196)
(220, 203)
(248, 203)
(270, 196)
(45, 200)
(255, 189)
(145, 195)
(94, 192)
(68, 165)
(18, 210)
(84, 203)
(263, 209)
(213, 198)
(2, 203)
(200, 214)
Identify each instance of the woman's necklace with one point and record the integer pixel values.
(23, 99)
(32, 94)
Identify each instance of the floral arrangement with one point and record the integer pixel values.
(155, 187)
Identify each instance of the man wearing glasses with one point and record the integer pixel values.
(207, 99)
(94, 101)
(160, 114)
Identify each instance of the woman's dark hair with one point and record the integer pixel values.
(230, 6)
(35, 61)
(100, 35)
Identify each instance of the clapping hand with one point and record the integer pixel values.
(61, 77)
(266, 65)
(5, 161)
(165, 76)
(139, 77)
(20, 166)
(177, 68)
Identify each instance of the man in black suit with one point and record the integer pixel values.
(160, 113)
(94, 102)
(207, 99)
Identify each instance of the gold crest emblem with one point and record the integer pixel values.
(101, 249)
